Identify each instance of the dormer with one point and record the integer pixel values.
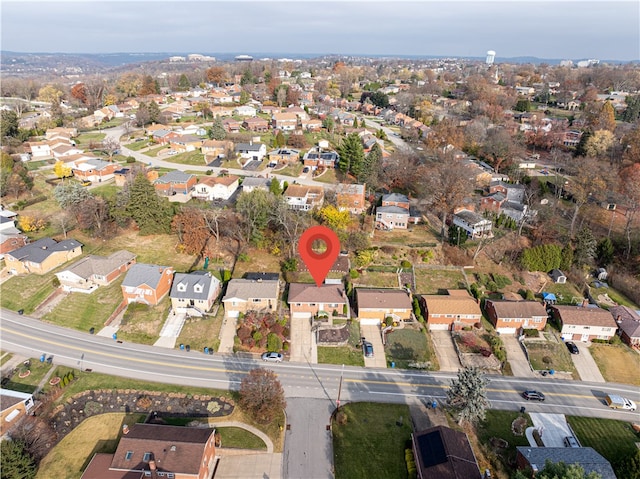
(198, 288)
(182, 287)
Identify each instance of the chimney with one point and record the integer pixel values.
(152, 465)
(125, 429)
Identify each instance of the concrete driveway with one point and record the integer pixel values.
(303, 345)
(227, 334)
(372, 334)
(585, 365)
(445, 351)
(249, 465)
(516, 357)
(554, 428)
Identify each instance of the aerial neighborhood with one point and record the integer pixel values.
(488, 219)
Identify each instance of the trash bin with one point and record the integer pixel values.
(434, 404)
(115, 336)
(181, 346)
(522, 410)
(210, 350)
(42, 358)
(552, 372)
(393, 364)
(206, 350)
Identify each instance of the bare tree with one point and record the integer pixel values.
(586, 184)
(262, 395)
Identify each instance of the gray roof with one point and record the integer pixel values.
(395, 197)
(251, 289)
(470, 217)
(585, 457)
(248, 147)
(310, 293)
(40, 250)
(175, 176)
(97, 163)
(199, 285)
(100, 265)
(392, 209)
(149, 274)
(383, 298)
(254, 181)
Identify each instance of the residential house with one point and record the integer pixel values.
(450, 311)
(11, 238)
(284, 155)
(231, 125)
(61, 151)
(39, 149)
(174, 183)
(303, 197)
(91, 272)
(164, 137)
(311, 125)
(308, 300)
(95, 170)
(628, 321)
(150, 129)
(184, 143)
(246, 110)
(220, 97)
(255, 124)
(558, 276)
(194, 293)
(251, 183)
(535, 458)
(147, 283)
(474, 224)
(52, 133)
(216, 187)
(351, 198)
(374, 305)
(509, 317)
(318, 157)
(212, 149)
(284, 121)
(14, 405)
(392, 217)
(250, 295)
(581, 323)
(444, 453)
(251, 151)
(41, 256)
(270, 110)
(298, 111)
(157, 451)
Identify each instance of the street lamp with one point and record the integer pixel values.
(339, 389)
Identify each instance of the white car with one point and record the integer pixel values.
(172, 152)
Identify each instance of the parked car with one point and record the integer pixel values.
(305, 169)
(272, 357)
(367, 348)
(571, 441)
(172, 152)
(86, 183)
(533, 395)
(571, 346)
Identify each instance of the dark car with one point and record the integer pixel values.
(305, 169)
(272, 356)
(533, 396)
(367, 347)
(571, 346)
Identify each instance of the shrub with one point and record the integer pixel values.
(243, 257)
(130, 159)
(547, 360)
(492, 286)
(405, 264)
(341, 418)
(274, 343)
(501, 280)
(55, 282)
(257, 336)
(208, 172)
(388, 321)
(531, 333)
(354, 274)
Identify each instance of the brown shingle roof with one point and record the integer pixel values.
(310, 293)
(175, 449)
(451, 304)
(582, 316)
(518, 309)
(382, 298)
(218, 180)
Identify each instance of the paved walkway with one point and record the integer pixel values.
(268, 442)
(227, 334)
(554, 428)
(372, 334)
(517, 360)
(585, 365)
(445, 352)
(171, 330)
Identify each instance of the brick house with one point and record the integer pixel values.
(351, 198)
(581, 323)
(318, 157)
(509, 317)
(628, 321)
(91, 272)
(147, 283)
(255, 124)
(41, 256)
(244, 295)
(14, 405)
(450, 311)
(175, 182)
(158, 451)
(284, 155)
(212, 149)
(284, 121)
(374, 305)
(308, 300)
(586, 457)
(444, 453)
(95, 170)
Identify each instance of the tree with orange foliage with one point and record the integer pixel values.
(216, 75)
(79, 92)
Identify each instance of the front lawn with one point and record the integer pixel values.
(548, 355)
(84, 139)
(347, 355)
(202, 332)
(153, 152)
(372, 441)
(84, 311)
(28, 384)
(290, 170)
(329, 176)
(189, 158)
(142, 323)
(617, 363)
(615, 440)
(26, 292)
(406, 346)
(434, 281)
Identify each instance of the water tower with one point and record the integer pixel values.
(491, 56)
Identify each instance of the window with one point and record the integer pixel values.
(160, 474)
(128, 455)
(147, 473)
(146, 457)
(256, 300)
(170, 475)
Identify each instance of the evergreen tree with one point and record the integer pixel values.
(183, 83)
(217, 131)
(351, 155)
(280, 139)
(151, 213)
(371, 167)
(154, 112)
(17, 463)
(605, 252)
(632, 112)
(566, 257)
(586, 245)
(468, 395)
(275, 187)
(355, 122)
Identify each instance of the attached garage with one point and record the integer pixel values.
(301, 315)
(505, 331)
(370, 322)
(439, 326)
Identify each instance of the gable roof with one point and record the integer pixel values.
(517, 309)
(100, 265)
(176, 449)
(40, 250)
(396, 210)
(453, 303)
(149, 274)
(395, 198)
(582, 316)
(174, 176)
(586, 457)
(624, 313)
(218, 180)
(445, 454)
(249, 146)
(246, 289)
(198, 285)
(382, 298)
(310, 293)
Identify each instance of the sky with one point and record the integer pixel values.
(551, 29)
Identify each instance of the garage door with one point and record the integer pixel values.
(369, 322)
(506, 330)
(301, 315)
(439, 327)
(232, 314)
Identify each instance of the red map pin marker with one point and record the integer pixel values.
(319, 264)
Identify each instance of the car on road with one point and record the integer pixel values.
(367, 348)
(571, 346)
(533, 395)
(272, 357)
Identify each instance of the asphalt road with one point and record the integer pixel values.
(31, 338)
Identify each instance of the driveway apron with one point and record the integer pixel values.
(516, 357)
(445, 351)
(585, 365)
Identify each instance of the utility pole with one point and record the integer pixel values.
(339, 389)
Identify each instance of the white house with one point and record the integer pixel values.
(216, 188)
(474, 224)
(251, 151)
(246, 110)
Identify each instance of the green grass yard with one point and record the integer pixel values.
(142, 323)
(497, 424)
(406, 346)
(347, 355)
(550, 355)
(434, 281)
(26, 292)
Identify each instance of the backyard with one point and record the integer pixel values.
(436, 280)
(408, 347)
(372, 440)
